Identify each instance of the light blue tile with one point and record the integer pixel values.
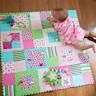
(53, 37)
(16, 44)
(77, 80)
(72, 13)
(4, 27)
(7, 56)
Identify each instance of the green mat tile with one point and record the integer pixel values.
(33, 90)
(37, 33)
(53, 61)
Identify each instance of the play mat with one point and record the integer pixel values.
(34, 60)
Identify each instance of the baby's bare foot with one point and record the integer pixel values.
(92, 34)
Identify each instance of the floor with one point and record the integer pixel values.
(87, 15)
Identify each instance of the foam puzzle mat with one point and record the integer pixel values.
(34, 60)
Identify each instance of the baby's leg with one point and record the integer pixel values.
(82, 46)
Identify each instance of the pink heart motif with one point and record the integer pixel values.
(84, 58)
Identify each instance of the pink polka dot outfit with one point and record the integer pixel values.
(69, 32)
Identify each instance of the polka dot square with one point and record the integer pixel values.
(36, 58)
(26, 35)
(8, 67)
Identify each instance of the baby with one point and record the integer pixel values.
(69, 32)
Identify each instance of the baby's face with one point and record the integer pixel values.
(60, 14)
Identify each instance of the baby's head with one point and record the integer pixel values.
(60, 14)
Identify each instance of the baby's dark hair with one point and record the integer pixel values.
(63, 16)
(58, 9)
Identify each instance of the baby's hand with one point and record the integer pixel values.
(51, 19)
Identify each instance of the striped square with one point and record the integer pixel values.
(75, 69)
(18, 55)
(9, 90)
(52, 51)
(85, 68)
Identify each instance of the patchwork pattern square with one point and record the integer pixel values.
(7, 56)
(23, 78)
(18, 55)
(36, 58)
(8, 67)
(11, 40)
(9, 79)
(37, 33)
(53, 37)
(21, 21)
(20, 66)
(28, 44)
